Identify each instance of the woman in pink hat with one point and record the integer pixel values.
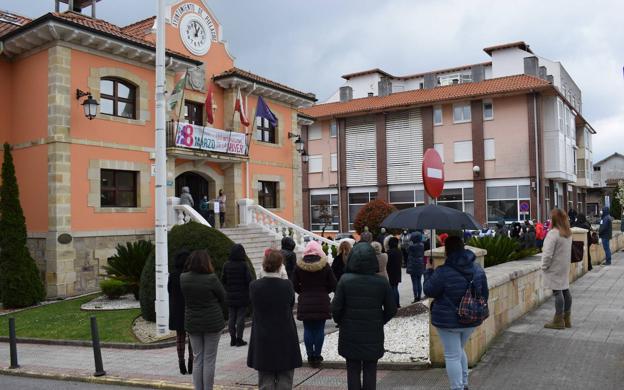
(313, 280)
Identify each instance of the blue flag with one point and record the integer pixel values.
(263, 111)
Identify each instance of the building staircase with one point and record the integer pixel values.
(255, 239)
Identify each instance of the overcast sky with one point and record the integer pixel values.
(310, 44)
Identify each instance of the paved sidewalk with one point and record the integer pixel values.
(526, 356)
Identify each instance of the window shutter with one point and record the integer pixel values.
(361, 152)
(404, 147)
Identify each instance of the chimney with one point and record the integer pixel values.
(478, 73)
(542, 72)
(346, 93)
(530, 66)
(430, 81)
(77, 5)
(384, 86)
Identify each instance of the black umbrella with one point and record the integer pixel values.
(431, 216)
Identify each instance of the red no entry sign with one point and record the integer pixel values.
(433, 173)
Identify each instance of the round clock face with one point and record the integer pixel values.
(195, 34)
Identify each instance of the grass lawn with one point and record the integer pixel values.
(65, 321)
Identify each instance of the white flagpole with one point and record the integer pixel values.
(162, 270)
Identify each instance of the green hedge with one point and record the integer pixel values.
(190, 236)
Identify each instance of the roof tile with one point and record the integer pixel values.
(502, 85)
(254, 77)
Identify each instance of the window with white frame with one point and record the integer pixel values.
(510, 203)
(357, 200)
(462, 151)
(334, 162)
(461, 112)
(324, 212)
(488, 110)
(489, 149)
(440, 149)
(405, 199)
(437, 115)
(560, 114)
(315, 164)
(315, 132)
(333, 128)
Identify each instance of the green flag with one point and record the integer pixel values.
(178, 92)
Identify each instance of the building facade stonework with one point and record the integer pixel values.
(90, 180)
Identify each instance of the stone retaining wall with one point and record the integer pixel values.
(515, 289)
(92, 250)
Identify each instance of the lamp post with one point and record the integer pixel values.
(160, 201)
(299, 144)
(305, 157)
(89, 105)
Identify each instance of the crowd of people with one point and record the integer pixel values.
(364, 279)
(206, 208)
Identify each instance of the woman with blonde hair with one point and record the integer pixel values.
(340, 262)
(556, 254)
(382, 259)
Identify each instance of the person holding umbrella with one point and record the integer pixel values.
(448, 285)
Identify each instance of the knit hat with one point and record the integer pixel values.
(313, 248)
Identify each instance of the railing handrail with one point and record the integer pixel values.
(291, 225)
(195, 216)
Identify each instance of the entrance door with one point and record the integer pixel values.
(198, 186)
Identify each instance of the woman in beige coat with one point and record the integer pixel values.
(556, 254)
(382, 258)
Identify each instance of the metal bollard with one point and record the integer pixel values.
(13, 343)
(97, 352)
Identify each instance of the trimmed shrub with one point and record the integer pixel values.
(147, 292)
(371, 215)
(190, 236)
(128, 263)
(501, 249)
(20, 283)
(113, 288)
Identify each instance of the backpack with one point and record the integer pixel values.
(473, 308)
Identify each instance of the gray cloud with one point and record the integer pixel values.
(308, 45)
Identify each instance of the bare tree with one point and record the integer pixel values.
(325, 215)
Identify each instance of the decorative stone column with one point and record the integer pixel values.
(233, 189)
(60, 272)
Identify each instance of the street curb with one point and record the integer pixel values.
(388, 366)
(104, 380)
(85, 343)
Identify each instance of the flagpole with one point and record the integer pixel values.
(160, 226)
(182, 98)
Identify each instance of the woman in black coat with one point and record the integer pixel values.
(395, 259)
(581, 221)
(236, 278)
(340, 262)
(362, 305)
(313, 280)
(288, 253)
(176, 310)
(274, 345)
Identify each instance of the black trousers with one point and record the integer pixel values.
(361, 375)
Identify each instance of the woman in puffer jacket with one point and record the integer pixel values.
(313, 280)
(447, 285)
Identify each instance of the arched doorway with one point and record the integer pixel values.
(197, 184)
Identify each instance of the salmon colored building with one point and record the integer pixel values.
(87, 184)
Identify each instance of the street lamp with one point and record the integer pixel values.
(305, 157)
(89, 105)
(299, 144)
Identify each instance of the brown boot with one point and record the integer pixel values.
(567, 320)
(557, 323)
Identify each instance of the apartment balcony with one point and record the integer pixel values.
(195, 142)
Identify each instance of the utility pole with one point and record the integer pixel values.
(162, 268)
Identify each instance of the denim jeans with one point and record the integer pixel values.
(313, 337)
(395, 294)
(417, 283)
(455, 357)
(607, 249)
